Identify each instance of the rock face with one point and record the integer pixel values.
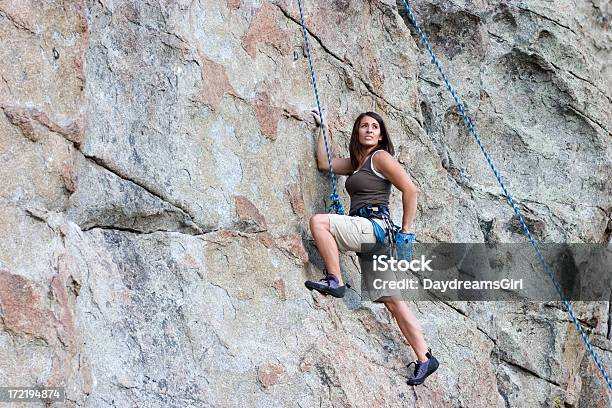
(158, 177)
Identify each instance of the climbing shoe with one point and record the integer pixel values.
(328, 286)
(423, 370)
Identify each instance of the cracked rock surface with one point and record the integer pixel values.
(158, 173)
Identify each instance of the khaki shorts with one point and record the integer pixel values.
(351, 232)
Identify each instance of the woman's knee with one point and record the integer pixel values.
(319, 221)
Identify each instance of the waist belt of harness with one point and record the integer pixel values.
(371, 211)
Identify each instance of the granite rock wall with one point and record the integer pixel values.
(158, 172)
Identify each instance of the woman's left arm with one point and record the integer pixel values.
(395, 173)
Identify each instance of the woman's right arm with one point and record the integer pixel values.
(342, 167)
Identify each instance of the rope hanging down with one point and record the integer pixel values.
(468, 122)
(336, 205)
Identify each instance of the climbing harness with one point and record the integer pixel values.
(468, 122)
(434, 60)
(380, 211)
(336, 204)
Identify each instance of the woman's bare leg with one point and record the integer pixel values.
(409, 325)
(326, 244)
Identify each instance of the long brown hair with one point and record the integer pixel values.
(355, 147)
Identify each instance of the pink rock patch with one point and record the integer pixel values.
(267, 115)
(23, 311)
(250, 219)
(233, 4)
(264, 29)
(270, 374)
(293, 245)
(26, 119)
(215, 83)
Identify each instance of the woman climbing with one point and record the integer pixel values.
(372, 170)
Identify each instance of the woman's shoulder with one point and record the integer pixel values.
(383, 152)
(382, 155)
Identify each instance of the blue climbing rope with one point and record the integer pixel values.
(336, 204)
(468, 122)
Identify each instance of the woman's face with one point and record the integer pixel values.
(369, 132)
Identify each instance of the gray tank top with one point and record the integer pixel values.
(367, 186)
